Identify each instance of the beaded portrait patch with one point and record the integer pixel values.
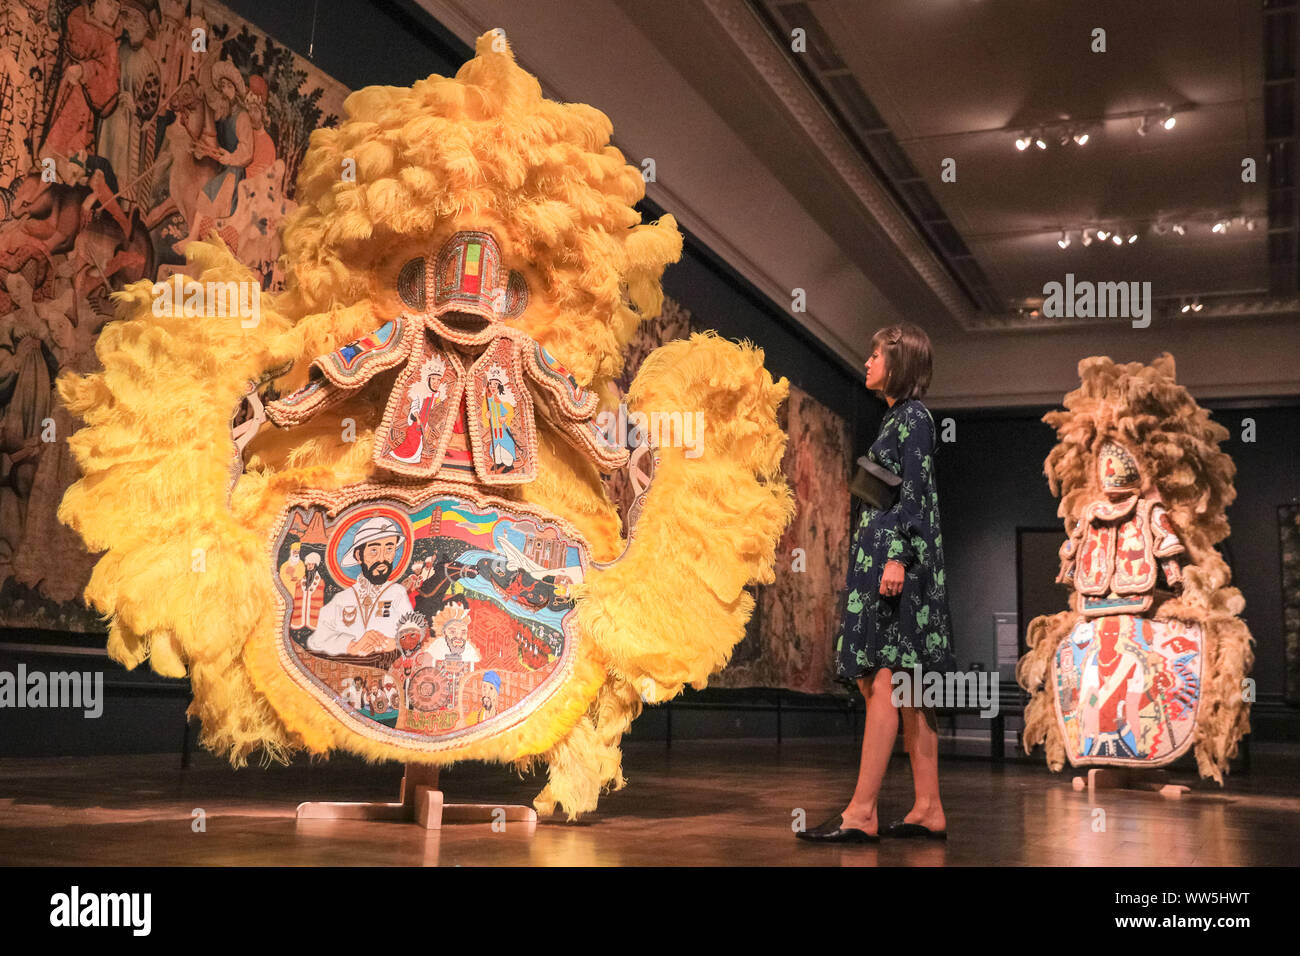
(1119, 547)
(502, 426)
(422, 408)
(1127, 689)
(427, 618)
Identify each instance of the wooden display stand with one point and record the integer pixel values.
(1122, 778)
(420, 802)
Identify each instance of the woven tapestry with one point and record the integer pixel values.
(127, 131)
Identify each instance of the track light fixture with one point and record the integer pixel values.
(1063, 134)
(1129, 236)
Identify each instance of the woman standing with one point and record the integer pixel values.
(896, 617)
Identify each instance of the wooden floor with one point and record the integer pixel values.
(698, 803)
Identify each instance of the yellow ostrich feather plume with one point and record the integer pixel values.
(183, 578)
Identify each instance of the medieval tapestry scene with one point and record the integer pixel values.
(128, 129)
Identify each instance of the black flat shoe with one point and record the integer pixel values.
(833, 832)
(913, 831)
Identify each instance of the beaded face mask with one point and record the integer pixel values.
(466, 290)
(1117, 469)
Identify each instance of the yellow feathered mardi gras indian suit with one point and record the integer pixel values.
(1150, 660)
(407, 552)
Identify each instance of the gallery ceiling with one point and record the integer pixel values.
(821, 168)
(917, 84)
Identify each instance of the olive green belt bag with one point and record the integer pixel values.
(875, 485)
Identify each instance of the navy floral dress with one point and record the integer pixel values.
(912, 628)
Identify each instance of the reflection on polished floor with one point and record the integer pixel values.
(702, 802)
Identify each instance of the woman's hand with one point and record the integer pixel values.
(891, 579)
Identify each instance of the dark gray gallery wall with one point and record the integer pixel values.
(990, 482)
(360, 42)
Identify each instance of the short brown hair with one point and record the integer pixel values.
(908, 359)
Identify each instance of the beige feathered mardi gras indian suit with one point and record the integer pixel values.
(414, 559)
(1135, 673)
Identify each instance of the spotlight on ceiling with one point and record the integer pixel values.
(1022, 142)
(1117, 239)
(1179, 229)
(1086, 237)
(1102, 234)
(1064, 240)
(1144, 125)
(1081, 139)
(1039, 141)
(1187, 306)
(1220, 227)
(1169, 120)
(1197, 306)
(1133, 237)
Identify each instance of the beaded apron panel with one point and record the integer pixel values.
(1128, 689)
(427, 617)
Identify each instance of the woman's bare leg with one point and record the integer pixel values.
(921, 740)
(878, 737)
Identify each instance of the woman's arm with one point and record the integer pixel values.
(906, 542)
